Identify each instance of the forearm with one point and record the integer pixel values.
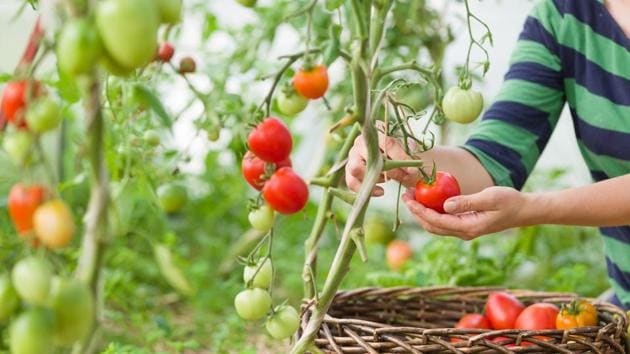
(470, 173)
(605, 203)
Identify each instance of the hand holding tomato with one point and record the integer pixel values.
(434, 192)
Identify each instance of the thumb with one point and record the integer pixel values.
(467, 203)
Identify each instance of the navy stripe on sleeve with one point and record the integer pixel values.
(507, 157)
(599, 176)
(619, 233)
(523, 116)
(622, 278)
(534, 31)
(601, 141)
(536, 73)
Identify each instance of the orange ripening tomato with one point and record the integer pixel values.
(54, 224)
(398, 253)
(311, 83)
(22, 202)
(580, 313)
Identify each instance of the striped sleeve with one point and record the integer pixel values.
(516, 128)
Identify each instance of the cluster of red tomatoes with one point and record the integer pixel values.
(267, 167)
(56, 311)
(505, 311)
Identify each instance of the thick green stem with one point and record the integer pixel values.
(96, 222)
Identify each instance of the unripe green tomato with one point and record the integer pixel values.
(263, 278)
(43, 115)
(262, 218)
(79, 47)
(128, 30)
(151, 138)
(170, 11)
(252, 304)
(291, 104)
(247, 3)
(172, 197)
(283, 323)
(73, 306)
(32, 332)
(214, 133)
(113, 67)
(462, 106)
(9, 300)
(31, 278)
(18, 145)
(378, 232)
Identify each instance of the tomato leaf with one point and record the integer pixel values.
(173, 275)
(332, 5)
(332, 50)
(147, 96)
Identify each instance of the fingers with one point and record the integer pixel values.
(355, 170)
(482, 201)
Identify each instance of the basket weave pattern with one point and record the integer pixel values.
(421, 320)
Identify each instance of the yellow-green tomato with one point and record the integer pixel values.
(283, 323)
(264, 276)
(18, 145)
(78, 47)
(462, 106)
(9, 300)
(151, 138)
(43, 115)
(31, 278)
(172, 197)
(252, 304)
(378, 232)
(32, 332)
(247, 3)
(73, 306)
(128, 30)
(291, 103)
(262, 218)
(170, 11)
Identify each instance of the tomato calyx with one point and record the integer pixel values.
(429, 179)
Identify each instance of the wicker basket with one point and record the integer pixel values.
(421, 320)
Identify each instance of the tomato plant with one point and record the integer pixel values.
(286, 192)
(31, 277)
(283, 322)
(502, 310)
(22, 203)
(15, 97)
(378, 232)
(311, 83)
(53, 224)
(253, 169)
(260, 278)
(32, 332)
(432, 193)
(271, 140)
(166, 52)
(252, 304)
(9, 300)
(18, 146)
(152, 138)
(398, 253)
(462, 106)
(579, 313)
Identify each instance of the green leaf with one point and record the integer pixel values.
(4, 77)
(145, 95)
(332, 5)
(170, 271)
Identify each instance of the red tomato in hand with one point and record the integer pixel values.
(538, 316)
(311, 83)
(253, 169)
(433, 195)
(502, 310)
(271, 140)
(23, 201)
(15, 97)
(397, 254)
(286, 192)
(165, 52)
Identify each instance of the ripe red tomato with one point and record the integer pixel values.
(397, 254)
(311, 83)
(166, 52)
(433, 194)
(22, 202)
(473, 321)
(271, 140)
(253, 169)
(286, 192)
(15, 97)
(502, 310)
(538, 316)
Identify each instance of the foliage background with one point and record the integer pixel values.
(145, 315)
